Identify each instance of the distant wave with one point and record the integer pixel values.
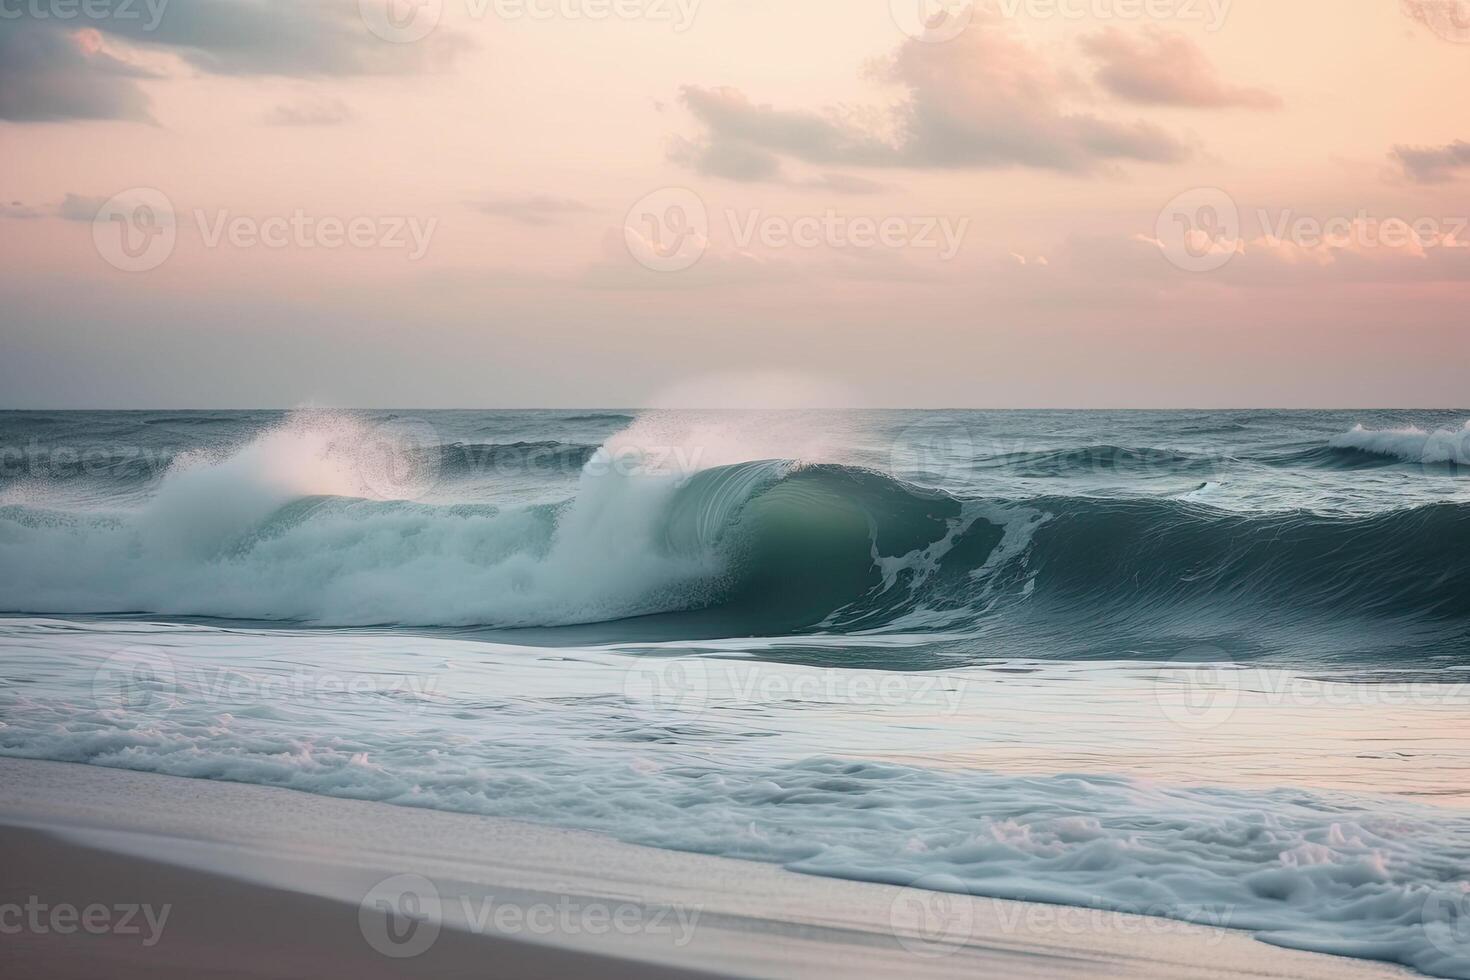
(1412, 445)
(1066, 462)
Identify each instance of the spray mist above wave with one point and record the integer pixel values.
(319, 521)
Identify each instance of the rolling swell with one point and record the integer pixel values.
(767, 548)
(839, 549)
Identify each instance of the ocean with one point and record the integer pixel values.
(1210, 666)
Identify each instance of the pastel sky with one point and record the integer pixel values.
(525, 203)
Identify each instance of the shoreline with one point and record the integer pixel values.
(266, 882)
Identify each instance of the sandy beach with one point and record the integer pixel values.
(224, 880)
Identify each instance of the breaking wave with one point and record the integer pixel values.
(293, 528)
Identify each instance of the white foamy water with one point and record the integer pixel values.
(1412, 444)
(1136, 787)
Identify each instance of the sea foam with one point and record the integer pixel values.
(577, 740)
(1411, 444)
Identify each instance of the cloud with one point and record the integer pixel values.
(740, 161)
(49, 75)
(52, 71)
(310, 112)
(535, 209)
(78, 207)
(1433, 164)
(73, 207)
(280, 37)
(844, 184)
(1348, 251)
(21, 211)
(1161, 68)
(730, 159)
(1447, 18)
(984, 100)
